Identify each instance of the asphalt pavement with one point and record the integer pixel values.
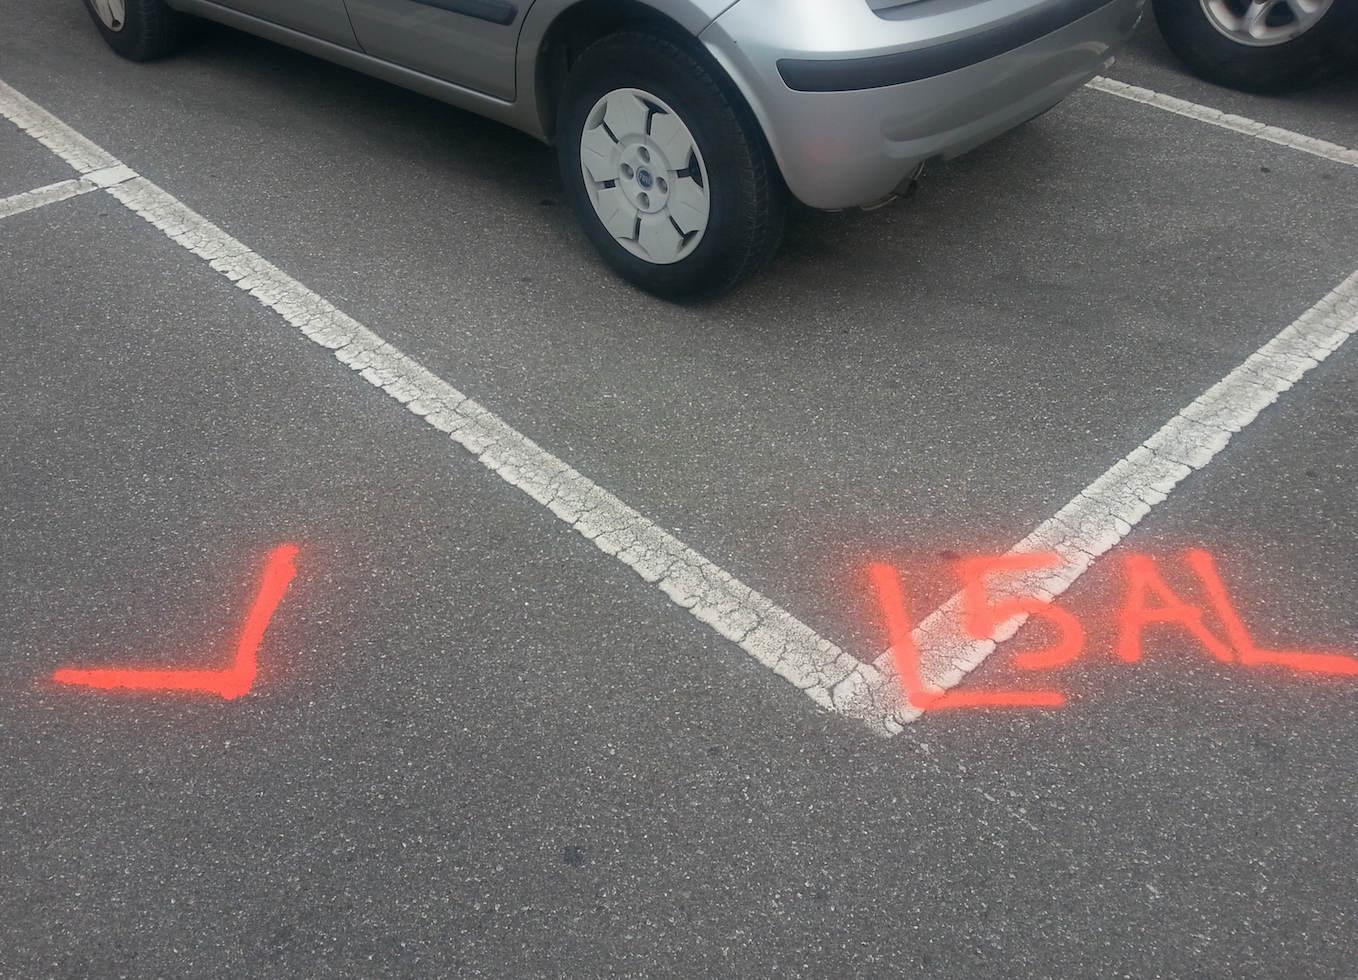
(478, 746)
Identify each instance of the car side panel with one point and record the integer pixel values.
(514, 114)
(326, 19)
(471, 49)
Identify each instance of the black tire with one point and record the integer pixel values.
(1323, 50)
(729, 166)
(145, 30)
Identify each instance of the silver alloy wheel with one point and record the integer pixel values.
(645, 176)
(1263, 23)
(111, 12)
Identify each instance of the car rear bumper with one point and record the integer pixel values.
(851, 100)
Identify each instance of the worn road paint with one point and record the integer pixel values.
(918, 692)
(1237, 124)
(761, 628)
(983, 616)
(42, 196)
(230, 682)
(1103, 513)
(1084, 529)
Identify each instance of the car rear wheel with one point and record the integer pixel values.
(666, 167)
(139, 30)
(1264, 46)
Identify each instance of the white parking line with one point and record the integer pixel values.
(1237, 124)
(1094, 521)
(768, 633)
(1105, 511)
(42, 196)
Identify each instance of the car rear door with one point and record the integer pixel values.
(321, 18)
(469, 42)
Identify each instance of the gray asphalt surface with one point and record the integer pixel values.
(481, 748)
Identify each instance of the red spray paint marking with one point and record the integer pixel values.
(1147, 601)
(231, 682)
(891, 597)
(1205, 568)
(1143, 580)
(983, 617)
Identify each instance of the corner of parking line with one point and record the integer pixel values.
(1096, 519)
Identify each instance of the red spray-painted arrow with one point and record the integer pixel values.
(231, 682)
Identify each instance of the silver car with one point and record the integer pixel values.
(682, 125)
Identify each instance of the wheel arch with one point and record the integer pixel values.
(555, 32)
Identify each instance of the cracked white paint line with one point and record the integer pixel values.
(768, 633)
(1237, 124)
(42, 196)
(1099, 517)
(1104, 512)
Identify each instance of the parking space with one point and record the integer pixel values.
(482, 747)
(22, 162)
(1325, 112)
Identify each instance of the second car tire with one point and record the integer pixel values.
(139, 30)
(1265, 46)
(666, 167)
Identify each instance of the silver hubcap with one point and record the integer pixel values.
(111, 12)
(645, 176)
(1261, 23)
